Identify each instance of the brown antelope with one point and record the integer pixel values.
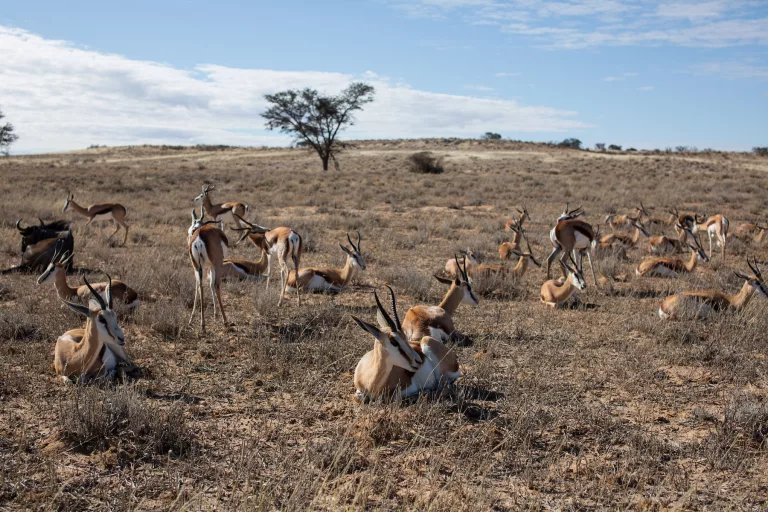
(716, 225)
(101, 212)
(663, 244)
(245, 269)
(569, 235)
(95, 350)
(626, 241)
(506, 248)
(232, 212)
(515, 272)
(556, 292)
(672, 267)
(452, 266)
(620, 221)
(208, 247)
(329, 279)
(513, 223)
(701, 303)
(56, 273)
(748, 228)
(281, 241)
(437, 321)
(395, 365)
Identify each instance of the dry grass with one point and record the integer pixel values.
(602, 406)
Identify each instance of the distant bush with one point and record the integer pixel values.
(614, 147)
(570, 143)
(492, 136)
(600, 146)
(96, 146)
(425, 162)
(760, 150)
(685, 149)
(631, 149)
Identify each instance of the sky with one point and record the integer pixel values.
(638, 73)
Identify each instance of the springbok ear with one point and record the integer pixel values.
(742, 276)
(79, 309)
(443, 280)
(371, 329)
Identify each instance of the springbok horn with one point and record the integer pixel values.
(95, 295)
(394, 309)
(109, 291)
(358, 242)
(384, 313)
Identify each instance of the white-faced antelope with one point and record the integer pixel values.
(394, 364)
(231, 212)
(701, 303)
(100, 212)
(556, 292)
(329, 279)
(95, 350)
(437, 321)
(715, 225)
(672, 267)
(569, 235)
(208, 247)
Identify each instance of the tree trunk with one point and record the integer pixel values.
(325, 159)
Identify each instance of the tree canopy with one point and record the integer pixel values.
(7, 136)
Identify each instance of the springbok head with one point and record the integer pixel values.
(461, 281)
(756, 281)
(575, 274)
(59, 263)
(206, 189)
(67, 202)
(570, 214)
(197, 222)
(354, 253)
(100, 313)
(250, 229)
(524, 213)
(640, 211)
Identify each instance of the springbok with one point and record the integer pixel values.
(394, 364)
(663, 244)
(672, 267)
(437, 321)
(506, 248)
(716, 225)
(701, 303)
(452, 266)
(37, 256)
(619, 221)
(232, 212)
(626, 241)
(555, 292)
(101, 212)
(569, 235)
(748, 228)
(512, 223)
(95, 350)
(56, 273)
(208, 247)
(515, 272)
(329, 279)
(245, 269)
(281, 241)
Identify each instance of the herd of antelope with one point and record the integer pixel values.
(408, 356)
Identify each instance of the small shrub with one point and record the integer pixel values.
(425, 162)
(614, 147)
(760, 150)
(631, 150)
(600, 146)
(571, 143)
(492, 136)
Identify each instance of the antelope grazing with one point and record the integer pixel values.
(512, 223)
(101, 212)
(701, 303)
(329, 279)
(208, 247)
(437, 321)
(716, 225)
(232, 212)
(626, 241)
(56, 273)
(394, 364)
(571, 234)
(556, 293)
(506, 248)
(283, 242)
(672, 267)
(516, 272)
(95, 350)
(452, 265)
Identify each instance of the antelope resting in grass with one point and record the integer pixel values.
(245, 269)
(283, 242)
(626, 241)
(748, 228)
(394, 364)
(620, 221)
(716, 225)
(515, 272)
(556, 293)
(95, 350)
(56, 273)
(437, 321)
(506, 248)
(511, 224)
(101, 212)
(672, 267)
(701, 303)
(232, 212)
(452, 265)
(208, 247)
(569, 235)
(329, 279)
(663, 244)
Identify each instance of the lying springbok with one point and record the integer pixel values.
(513, 223)
(748, 228)
(395, 365)
(239, 269)
(664, 244)
(437, 321)
(56, 273)
(331, 280)
(516, 272)
(701, 303)
(208, 247)
(95, 350)
(100, 212)
(281, 241)
(232, 212)
(506, 248)
(556, 293)
(452, 266)
(620, 221)
(570, 235)
(625, 241)
(672, 267)
(716, 225)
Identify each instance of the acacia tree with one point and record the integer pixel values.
(314, 120)
(7, 137)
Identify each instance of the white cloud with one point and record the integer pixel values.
(693, 11)
(505, 75)
(646, 88)
(623, 76)
(60, 96)
(730, 70)
(480, 88)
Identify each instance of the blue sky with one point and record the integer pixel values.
(641, 73)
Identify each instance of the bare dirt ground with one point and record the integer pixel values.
(599, 407)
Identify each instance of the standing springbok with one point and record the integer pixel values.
(437, 321)
(555, 292)
(281, 241)
(56, 273)
(569, 235)
(512, 223)
(232, 212)
(394, 364)
(329, 279)
(95, 350)
(208, 247)
(672, 267)
(716, 225)
(701, 303)
(101, 212)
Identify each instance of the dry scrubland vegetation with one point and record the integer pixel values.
(603, 406)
